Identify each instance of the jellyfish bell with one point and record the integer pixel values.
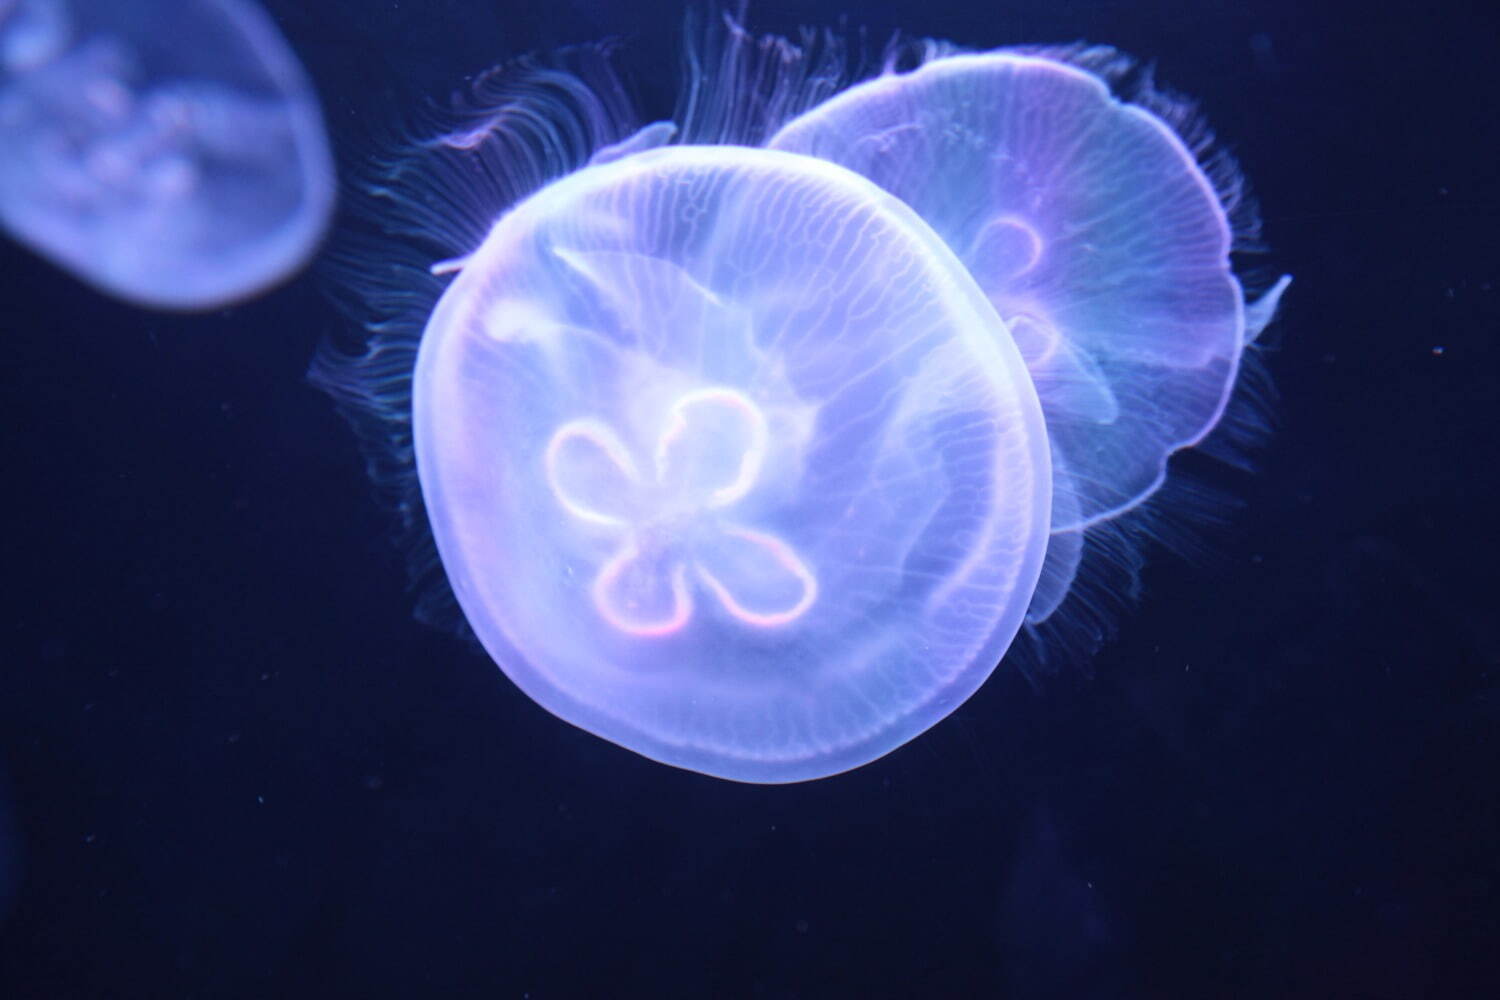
(168, 152)
(727, 463)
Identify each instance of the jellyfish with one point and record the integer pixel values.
(769, 487)
(168, 152)
(733, 446)
(1096, 233)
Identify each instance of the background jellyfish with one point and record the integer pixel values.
(1101, 240)
(169, 152)
(654, 412)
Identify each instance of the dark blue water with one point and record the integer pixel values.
(238, 767)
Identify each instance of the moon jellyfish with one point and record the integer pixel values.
(769, 489)
(1095, 232)
(168, 152)
(752, 440)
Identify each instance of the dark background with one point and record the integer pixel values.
(237, 766)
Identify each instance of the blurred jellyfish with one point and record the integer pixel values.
(752, 463)
(168, 152)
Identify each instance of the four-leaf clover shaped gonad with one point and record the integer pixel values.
(672, 517)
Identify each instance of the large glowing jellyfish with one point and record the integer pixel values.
(756, 464)
(729, 461)
(169, 152)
